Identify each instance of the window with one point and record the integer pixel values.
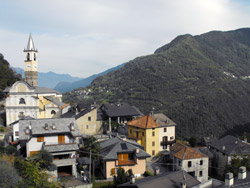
(165, 129)
(201, 173)
(87, 126)
(89, 118)
(153, 133)
(16, 133)
(153, 152)
(171, 138)
(22, 101)
(142, 133)
(189, 163)
(179, 163)
(40, 139)
(34, 57)
(61, 139)
(53, 112)
(114, 171)
(201, 162)
(153, 143)
(28, 56)
(130, 131)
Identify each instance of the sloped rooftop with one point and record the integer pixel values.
(145, 122)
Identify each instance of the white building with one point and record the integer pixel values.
(190, 160)
(60, 137)
(24, 98)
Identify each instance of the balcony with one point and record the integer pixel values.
(65, 162)
(134, 138)
(169, 142)
(126, 163)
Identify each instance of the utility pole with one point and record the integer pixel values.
(90, 167)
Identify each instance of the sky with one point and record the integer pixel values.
(85, 37)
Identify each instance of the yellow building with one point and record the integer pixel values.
(155, 133)
(88, 121)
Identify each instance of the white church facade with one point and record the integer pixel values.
(25, 98)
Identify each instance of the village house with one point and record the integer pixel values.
(225, 149)
(190, 160)
(154, 132)
(122, 153)
(60, 137)
(120, 112)
(25, 98)
(88, 120)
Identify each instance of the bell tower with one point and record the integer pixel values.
(30, 69)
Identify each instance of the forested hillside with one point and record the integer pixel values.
(201, 82)
(7, 75)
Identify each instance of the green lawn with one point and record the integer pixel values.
(103, 184)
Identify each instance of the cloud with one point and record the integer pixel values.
(86, 37)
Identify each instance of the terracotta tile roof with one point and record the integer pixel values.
(145, 122)
(65, 105)
(188, 153)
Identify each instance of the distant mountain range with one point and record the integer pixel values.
(64, 82)
(49, 79)
(68, 86)
(201, 82)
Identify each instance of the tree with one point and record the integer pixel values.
(192, 141)
(2, 148)
(122, 176)
(8, 174)
(236, 163)
(31, 175)
(93, 147)
(44, 158)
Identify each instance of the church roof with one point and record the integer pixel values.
(30, 45)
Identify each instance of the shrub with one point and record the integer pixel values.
(147, 173)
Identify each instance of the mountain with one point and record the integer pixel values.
(68, 86)
(7, 75)
(201, 82)
(49, 79)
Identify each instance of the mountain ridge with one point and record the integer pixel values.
(201, 82)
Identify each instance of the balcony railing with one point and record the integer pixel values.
(127, 162)
(169, 142)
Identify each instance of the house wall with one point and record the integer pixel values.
(137, 169)
(169, 133)
(46, 106)
(91, 127)
(141, 139)
(15, 129)
(220, 161)
(33, 145)
(149, 139)
(195, 167)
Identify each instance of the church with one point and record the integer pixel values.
(26, 99)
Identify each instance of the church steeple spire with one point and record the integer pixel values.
(31, 63)
(30, 45)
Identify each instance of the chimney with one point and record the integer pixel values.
(53, 126)
(183, 184)
(236, 142)
(229, 179)
(157, 171)
(72, 126)
(124, 139)
(242, 174)
(223, 148)
(27, 131)
(132, 179)
(137, 150)
(46, 127)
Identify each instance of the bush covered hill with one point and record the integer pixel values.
(201, 82)
(7, 75)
